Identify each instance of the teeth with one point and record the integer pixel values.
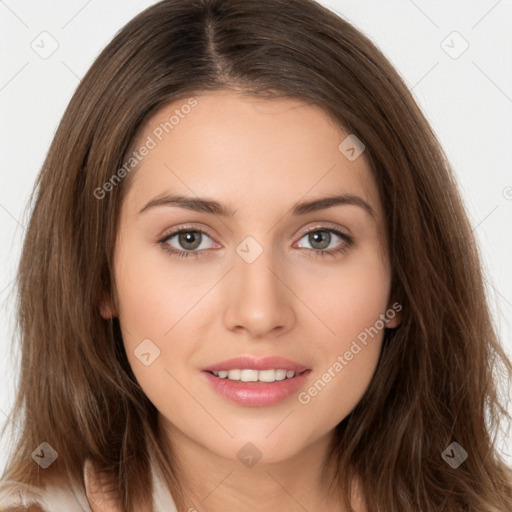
(267, 375)
(247, 375)
(234, 374)
(280, 374)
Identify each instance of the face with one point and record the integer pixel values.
(251, 283)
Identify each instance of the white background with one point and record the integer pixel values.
(468, 101)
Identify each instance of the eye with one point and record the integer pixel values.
(188, 240)
(322, 237)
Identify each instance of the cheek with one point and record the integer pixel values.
(158, 305)
(350, 298)
(153, 293)
(350, 305)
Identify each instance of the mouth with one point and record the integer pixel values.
(251, 375)
(247, 362)
(253, 382)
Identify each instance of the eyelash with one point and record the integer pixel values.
(316, 252)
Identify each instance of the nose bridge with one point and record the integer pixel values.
(253, 266)
(258, 299)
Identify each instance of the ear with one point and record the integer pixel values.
(393, 315)
(393, 322)
(107, 310)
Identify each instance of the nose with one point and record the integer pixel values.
(258, 298)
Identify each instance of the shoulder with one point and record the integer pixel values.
(18, 496)
(31, 508)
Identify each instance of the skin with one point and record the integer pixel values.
(258, 157)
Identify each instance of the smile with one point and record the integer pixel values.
(247, 375)
(257, 393)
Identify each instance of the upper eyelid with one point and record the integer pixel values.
(174, 231)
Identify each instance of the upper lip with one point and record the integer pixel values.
(253, 363)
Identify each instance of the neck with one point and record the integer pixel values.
(213, 483)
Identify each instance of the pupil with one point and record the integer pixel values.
(322, 236)
(187, 238)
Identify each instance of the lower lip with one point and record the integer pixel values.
(257, 394)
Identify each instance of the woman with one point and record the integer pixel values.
(252, 369)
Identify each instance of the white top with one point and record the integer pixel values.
(68, 499)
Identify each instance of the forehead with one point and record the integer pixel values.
(244, 150)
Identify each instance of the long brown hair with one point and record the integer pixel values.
(436, 382)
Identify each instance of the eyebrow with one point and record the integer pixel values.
(210, 206)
